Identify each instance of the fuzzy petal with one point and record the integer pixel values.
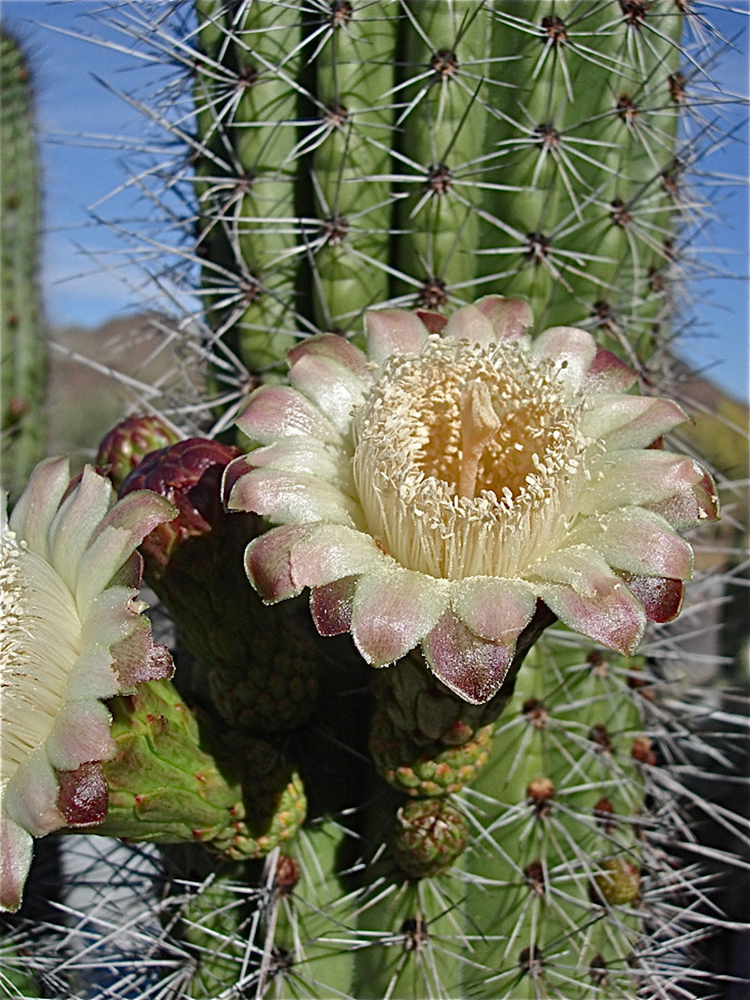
(393, 609)
(607, 373)
(638, 541)
(268, 562)
(494, 609)
(295, 454)
(510, 318)
(278, 411)
(661, 598)
(330, 345)
(81, 733)
(138, 658)
(331, 387)
(30, 797)
(293, 498)
(79, 516)
(330, 551)
(331, 606)
(83, 796)
(39, 502)
(16, 850)
(470, 323)
(572, 350)
(393, 331)
(631, 421)
(636, 478)
(696, 503)
(579, 587)
(471, 667)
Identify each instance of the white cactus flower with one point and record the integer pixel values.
(71, 633)
(436, 490)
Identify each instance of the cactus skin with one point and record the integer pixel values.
(24, 347)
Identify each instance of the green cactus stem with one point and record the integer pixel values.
(24, 346)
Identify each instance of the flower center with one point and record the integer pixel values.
(40, 640)
(468, 459)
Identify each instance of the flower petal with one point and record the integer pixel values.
(81, 733)
(470, 323)
(660, 597)
(30, 797)
(631, 421)
(633, 477)
(330, 551)
(36, 507)
(638, 541)
(572, 350)
(75, 522)
(295, 454)
(293, 498)
(471, 667)
(83, 796)
(331, 606)
(330, 345)
(268, 562)
(393, 331)
(696, 503)
(393, 609)
(493, 608)
(16, 850)
(578, 586)
(330, 386)
(510, 318)
(277, 411)
(607, 373)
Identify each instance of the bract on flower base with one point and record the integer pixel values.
(437, 489)
(72, 634)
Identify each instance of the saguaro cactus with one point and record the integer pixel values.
(24, 350)
(419, 155)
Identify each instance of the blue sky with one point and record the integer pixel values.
(82, 168)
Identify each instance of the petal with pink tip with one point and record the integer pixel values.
(634, 477)
(393, 331)
(433, 321)
(138, 658)
(393, 609)
(578, 586)
(293, 498)
(331, 606)
(471, 667)
(81, 733)
(696, 503)
(330, 345)
(510, 318)
(469, 323)
(638, 541)
(330, 551)
(39, 502)
(268, 562)
(661, 598)
(79, 516)
(330, 386)
(120, 532)
(494, 609)
(30, 797)
(572, 351)
(278, 411)
(295, 454)
(93, 675)
(16, 850)
(83, 797)
(607, 373)
(631, 421)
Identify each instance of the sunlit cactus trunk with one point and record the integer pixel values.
(24, 348)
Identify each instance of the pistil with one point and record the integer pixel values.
(479, 425)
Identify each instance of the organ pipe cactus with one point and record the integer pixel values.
(24, 348)
(488, 199)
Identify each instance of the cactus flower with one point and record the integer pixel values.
(437, 489)
(72, 634)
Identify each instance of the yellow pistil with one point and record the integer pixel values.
(479, 424)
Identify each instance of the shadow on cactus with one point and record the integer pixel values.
(462, 224)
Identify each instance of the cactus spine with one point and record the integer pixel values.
(24, 350)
